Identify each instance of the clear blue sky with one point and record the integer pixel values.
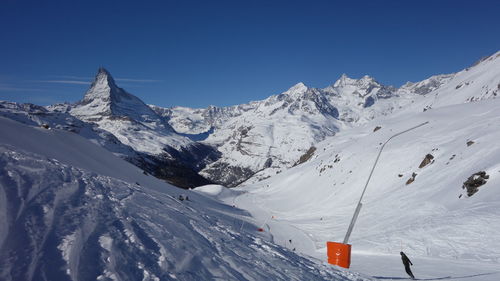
(197, 53)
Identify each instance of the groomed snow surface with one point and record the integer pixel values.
(447, 234)
(71, 210)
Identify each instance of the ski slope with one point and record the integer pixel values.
(451, 235)
(71, 210)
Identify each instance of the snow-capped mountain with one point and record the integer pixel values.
(162, 152)
(71, 210)
(426, 86)
(262, 138)
(274, 133)
(271, 134)
(126, 116)
(476, 83)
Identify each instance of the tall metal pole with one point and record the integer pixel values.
(358, 207)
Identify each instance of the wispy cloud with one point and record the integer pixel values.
(88, 78)
(67, 79)
(75, 82)
(138, 80)
(11, 88)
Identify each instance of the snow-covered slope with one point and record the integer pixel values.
(178, 170)
(186, 120)
(431, 216)
(70, 210)
(476, 83)
(38, 116)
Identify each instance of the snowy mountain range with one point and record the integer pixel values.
(262, 138)
(249, 142)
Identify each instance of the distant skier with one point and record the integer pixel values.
(407, 262)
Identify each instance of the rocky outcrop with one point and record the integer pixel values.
(306, 156)
(473, 183)
(412, 179)
(427, 160)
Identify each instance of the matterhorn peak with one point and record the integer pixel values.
(104, 89)
(103, 72)
(105, 98)
(102, 81)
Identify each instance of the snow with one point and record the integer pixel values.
(66, 247)
(98, 206)
(58, 118)
(212, 189)
(424, 268)
(185, 120)
(451, 238)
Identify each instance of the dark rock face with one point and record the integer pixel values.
(469, 143)
(179, 175)
(473, 183)
(196, 155)
(179, 167)
(227, 175)
(323, 106)
(412, 179)
(369, 102)
(269, 163)
(427, 160)
(377, 128)
(306, 156)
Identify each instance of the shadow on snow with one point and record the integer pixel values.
(438, 278)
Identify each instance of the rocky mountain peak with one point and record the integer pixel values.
(103, 87)
(345, 80)
(297, 89)
(367, 78)
(104, 75)
(105, 98)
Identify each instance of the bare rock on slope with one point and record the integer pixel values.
(427, 160)
(473, 183)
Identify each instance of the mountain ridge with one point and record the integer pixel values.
(346, 103)
(230, 145)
